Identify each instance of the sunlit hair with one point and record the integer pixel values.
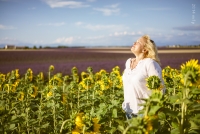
(151, 48)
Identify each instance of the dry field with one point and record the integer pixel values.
(97, 58)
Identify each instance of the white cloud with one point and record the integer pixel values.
(113, 6)
(8, 40)
(65, 40)
(109, 10)
(157, 9)
(78, 23)
(6, 27)
(53, 24)
(95, 37)
(64, 3)
(91, 0)
(105, 27)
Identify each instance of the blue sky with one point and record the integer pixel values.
(98, 22)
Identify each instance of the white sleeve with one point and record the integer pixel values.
(154, 69)
(127, 64)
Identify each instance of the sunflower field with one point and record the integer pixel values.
(90, 103)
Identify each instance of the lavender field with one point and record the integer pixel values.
(98, 58)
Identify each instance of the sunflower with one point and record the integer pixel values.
(84, 75)
(49, 94)
(153, 83)
(190, 72)
(17, 73)
(30, 74)
(51, 68)
(79, 121)
(34, 92)
(96, 126)
(21, 94)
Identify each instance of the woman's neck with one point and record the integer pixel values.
(139, 57)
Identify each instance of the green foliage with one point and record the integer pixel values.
(90, 103)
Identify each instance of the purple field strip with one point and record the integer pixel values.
(65, 59)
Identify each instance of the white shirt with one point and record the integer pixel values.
(134, 83)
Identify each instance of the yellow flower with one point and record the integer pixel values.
(30, 71)
(76, 131)
(35, 89)
(74, 70)
(190, 72)
(64, 98)
(96, 126)
(97, 76)
(30, 74)
(21, 98)
(57, 80)
(116, 68)
(51, 68)
(40, 76)
(84, 75)
(149, 126)
(17, 73)
(79, 121)
(49, 94)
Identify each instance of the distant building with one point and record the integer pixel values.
(20, 47)
(10, 47)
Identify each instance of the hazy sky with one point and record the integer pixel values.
(99, 22)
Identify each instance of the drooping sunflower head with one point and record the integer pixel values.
(33, 91)
(74, 70)
(116, 68)
(84, 75)
(153, 82)
(51, 68)
(17, 73)
(90, 69)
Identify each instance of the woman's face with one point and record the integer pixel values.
(138, 46)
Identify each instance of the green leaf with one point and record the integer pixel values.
(57, 95)
(174, 124)
(12, 126)
(45, 125)
(174, 99)
(175, 131)
(154, 109)
(114, 113)
(195, 91)
(120, 128)
(161, 116)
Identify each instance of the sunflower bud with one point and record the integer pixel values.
(51, 68)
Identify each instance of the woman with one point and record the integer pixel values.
(146, 63)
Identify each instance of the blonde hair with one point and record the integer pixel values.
(151, 48)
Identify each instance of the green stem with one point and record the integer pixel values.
(40, 111)
(54, 115)
(78, 98)
(125, 131)
(27, 112)
(63, 125)
(87, 91)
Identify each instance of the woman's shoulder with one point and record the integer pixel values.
(149, 61)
